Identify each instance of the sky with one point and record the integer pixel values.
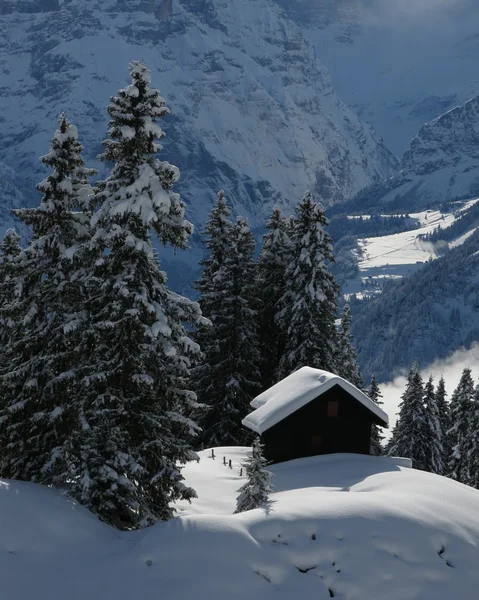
(451, 369)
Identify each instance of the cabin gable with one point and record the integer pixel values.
(332, 422)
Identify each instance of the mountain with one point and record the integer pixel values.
(397, 64)
(441, 164)
(253, 109)
(423, 317)
(340, 526)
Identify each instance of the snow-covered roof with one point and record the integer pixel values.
(297, 390)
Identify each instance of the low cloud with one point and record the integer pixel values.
(451, 369)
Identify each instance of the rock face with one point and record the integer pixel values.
(442, 163)
(253, 109)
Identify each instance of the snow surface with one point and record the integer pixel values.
(294, 392)
(401, 254)
(351, 526)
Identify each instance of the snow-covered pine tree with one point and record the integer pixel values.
(308, 307)
(216, 239)
(39, 411)
(232, 365)
(473, 452)
(271, 283)
(461, 434)
(435, 451)
(376, 436)
(347, 366)
(409, 438)
(9, 252)
(255, 493)
(444, 421)
(134, 397)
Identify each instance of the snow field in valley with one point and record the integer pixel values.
(343, 526)
(400, 254)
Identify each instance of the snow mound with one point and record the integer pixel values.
(344, 526)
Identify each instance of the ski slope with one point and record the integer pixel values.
(401, 254)
(344, 526)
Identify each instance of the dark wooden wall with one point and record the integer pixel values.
(297, 435)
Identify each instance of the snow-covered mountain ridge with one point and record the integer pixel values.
(253, 110)
(343, 526)
(441, 164)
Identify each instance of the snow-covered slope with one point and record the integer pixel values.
(253, 110)
(424, 317)
(399, 255)
(344, 526)
(398, 64)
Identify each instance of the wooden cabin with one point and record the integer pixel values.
(313, 412)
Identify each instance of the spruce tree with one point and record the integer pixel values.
(10, 250)
(473, 451)
(272, 263)
(347, 366)
(216, 239)
(435, 451)
(133, 392)
(255, 493)
(308, 307)
(460, 435)
(40, 360)
(444, 421)
(229, 377)
(377, 438)
(409, 438)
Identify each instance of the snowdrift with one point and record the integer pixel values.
(344, 526)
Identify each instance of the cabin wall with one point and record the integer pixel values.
(310, 431)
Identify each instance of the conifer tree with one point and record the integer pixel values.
(272, 263)
(309, 305)
(255, 493)
(473, 451)
(444, 421)
(217, 237)
(376, 436)
(347, 366)
(435, 451)
(461, 434)
(133, 394)
(230, 369)
(40, 359)
(409, 438)
(9, 265)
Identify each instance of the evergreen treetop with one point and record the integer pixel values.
(377, 438)
(435, 451)
(273, 260)
(255, 493)
(460, 436)
(347, 366)
(229, 377)
(134, 392)
(40, 359)
(409, 438)
(309, 305)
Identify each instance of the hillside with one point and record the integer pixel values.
(341, 526)
(384, 258)
(423, 317)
